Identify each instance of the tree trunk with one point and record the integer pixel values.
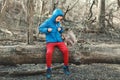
(118, 2)
(34, 54)
(30, 13)
(3, 10)
(101, 14)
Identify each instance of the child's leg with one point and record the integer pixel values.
(63, 48)
(50, 48)
(65, 52)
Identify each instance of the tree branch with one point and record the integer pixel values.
(55, 5)
(70, 8)
(4, 6)
(91, 13)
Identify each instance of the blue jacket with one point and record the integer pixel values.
(54, 35)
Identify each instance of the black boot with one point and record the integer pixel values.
(48, 73)
(66, 70)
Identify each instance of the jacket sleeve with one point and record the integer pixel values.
(61, 31)
(43, 28)
(61, 28)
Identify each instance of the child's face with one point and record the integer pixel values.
(59, 18)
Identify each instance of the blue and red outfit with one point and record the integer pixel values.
(54, 38)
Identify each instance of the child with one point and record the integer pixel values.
(52, 29)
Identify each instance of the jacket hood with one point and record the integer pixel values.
(56, 13)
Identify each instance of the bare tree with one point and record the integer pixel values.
(118, 2)
(69, 8)
(101, 14)
(90, 10)
(30, 13)
(4, 7)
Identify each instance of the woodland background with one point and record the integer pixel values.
(95, 23)
(19, 16)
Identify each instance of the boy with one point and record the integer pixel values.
(52, 29)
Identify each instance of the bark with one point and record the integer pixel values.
(118, 2)
(101, 14)
(3, 10)
(34, 54)
(30, 13)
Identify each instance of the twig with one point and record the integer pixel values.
(4, 6)
(90, 14)
(22, 73)
(69, 8)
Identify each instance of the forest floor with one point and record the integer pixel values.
(78, 72)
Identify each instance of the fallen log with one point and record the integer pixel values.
(12, 55)
(34, 54)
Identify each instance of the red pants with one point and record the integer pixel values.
(63, 49)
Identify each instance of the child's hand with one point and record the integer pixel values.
(59, 29)
(49, 29)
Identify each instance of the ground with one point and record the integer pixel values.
(78, 72)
